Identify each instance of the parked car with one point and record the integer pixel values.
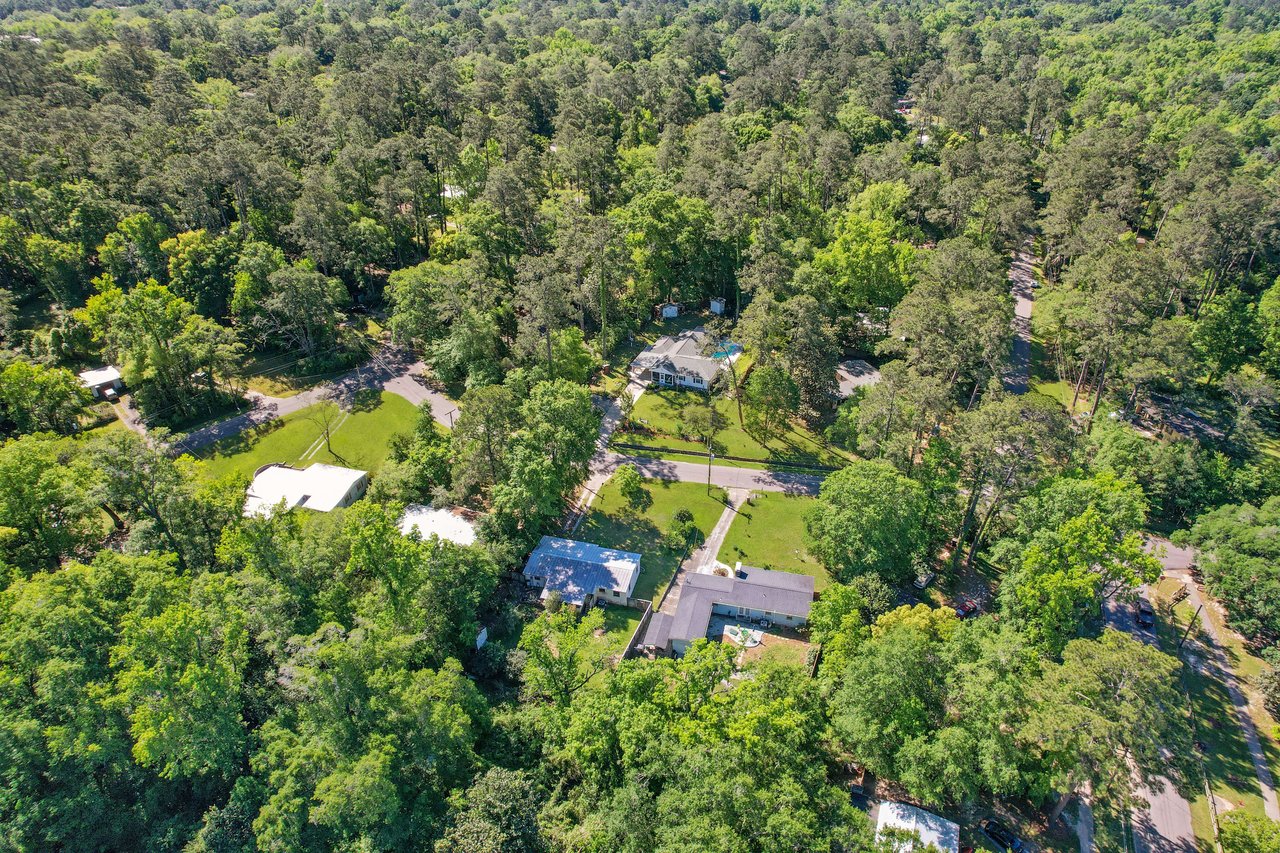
(1002, 837)
(967, 608)
(110, 395)
(924, 579)
(1144, 614)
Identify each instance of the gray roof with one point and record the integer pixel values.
(753, 589)
(577, 569)
(680, 355)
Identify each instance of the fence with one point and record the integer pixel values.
(630, 651)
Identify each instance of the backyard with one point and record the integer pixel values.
(769, 532)
(358, 437)
(614, 524)
(659, 421)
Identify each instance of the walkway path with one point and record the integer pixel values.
(1022, 280)
(703, 558)
(389, 370)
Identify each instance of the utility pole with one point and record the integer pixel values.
(1194, 618)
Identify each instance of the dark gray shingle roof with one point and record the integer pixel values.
(754, 589)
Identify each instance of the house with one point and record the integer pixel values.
(318, 487)
(451, 524)
(749, 594)
(927, 826)
(104, 382)
(582, 573)
(679, 361)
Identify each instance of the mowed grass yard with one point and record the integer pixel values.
(769, 532)
(663, 412)
(358, 438)
(1226, 759)
(612, 524)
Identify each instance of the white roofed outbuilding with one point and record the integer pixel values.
(448, 523)
(318, 487)
(99, 379)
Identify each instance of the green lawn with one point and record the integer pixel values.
(612, 525)
(1226, 759)
(358, 438)
(619, 624)
(769, 533)
(661, 411)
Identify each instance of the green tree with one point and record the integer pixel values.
(771, 396)
(45, 498)
(133, 252)
(562, 655)
(497, 814)
(631, 486)
(35, 398)
(1108, 714)
(202, 270)
(1242, 832)
(869, 519)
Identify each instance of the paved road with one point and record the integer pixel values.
(1022, 288)
(1165, 823)
(722, 475)
(389, 369)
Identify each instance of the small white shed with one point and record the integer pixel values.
(670, 310)
(102, 379)
(717, 305)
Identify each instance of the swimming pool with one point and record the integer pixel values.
(727, 349)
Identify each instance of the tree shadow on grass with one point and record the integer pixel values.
(365, 400)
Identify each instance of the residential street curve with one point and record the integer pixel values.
(390, 369)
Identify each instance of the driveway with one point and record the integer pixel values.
(1165, 823)
(1022, 280)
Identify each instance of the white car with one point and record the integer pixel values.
(924, 579)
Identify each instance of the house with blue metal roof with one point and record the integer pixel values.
(582, 573)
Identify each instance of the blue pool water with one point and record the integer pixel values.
(727, 349)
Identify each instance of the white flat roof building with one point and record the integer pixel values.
(928, 827)
(448, 524)
(100, 376)
(318, 487)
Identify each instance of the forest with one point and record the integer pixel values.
(227, 200)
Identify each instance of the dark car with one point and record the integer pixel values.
(1144, 614)
(967, 608)
(1002, 837)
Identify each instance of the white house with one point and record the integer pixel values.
(582, 573)
(449, 524)
(318, 487)
(679, 361)
(100, 380)
(927, 826)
